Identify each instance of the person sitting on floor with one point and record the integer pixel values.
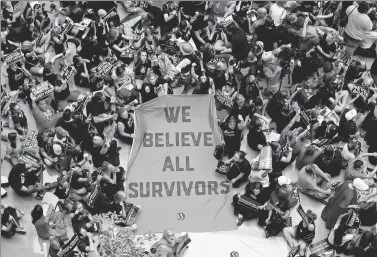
(313, 181)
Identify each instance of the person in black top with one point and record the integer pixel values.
(239, 170)
(10, 220)
(16, 75)
(79, 180)
(147, 92)
(302, 235)
(172, 16)
(126, 125)
(232, 132)
(255, 192)
(267, 34)
(330, 161)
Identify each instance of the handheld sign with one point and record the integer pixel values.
(28, 158)
(84, 24)
(31, 143)
(67, 72)
(41, 91)
(14, 57)
(104, 67)
(69, 246)
(66, 26)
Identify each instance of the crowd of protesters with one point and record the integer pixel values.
(284, 73)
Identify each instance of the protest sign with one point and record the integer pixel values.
(41, 91)
(28, 158)
(66, 26)
(14, 57)
(67, 72)
(19, 8)
(104, 67)
(171, 171)
(69, 246)
(31, 143)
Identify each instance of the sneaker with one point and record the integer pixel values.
(3, 192)
(240, 221)
(20, 231)
(39, 196)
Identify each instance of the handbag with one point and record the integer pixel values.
(219, 152)
(222, 168)
(343, 21)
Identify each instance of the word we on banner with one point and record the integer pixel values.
(171, 167)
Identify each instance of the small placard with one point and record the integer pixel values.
(14, 57)
(41, 91)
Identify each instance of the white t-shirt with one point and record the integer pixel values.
(277, 14)
(370, 39)
(358, 23)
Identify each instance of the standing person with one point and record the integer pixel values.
(358, 25)
(346, 194)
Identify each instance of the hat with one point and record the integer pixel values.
(57, 149)
(282, 180)
(61, 132)
(267, 56)
(351, 114)
(359, 184)
(368, 81)
(101, 12)
(186, 48)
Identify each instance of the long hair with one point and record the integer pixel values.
(36, 213)
(12, 139)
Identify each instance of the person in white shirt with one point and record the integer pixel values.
(277, 13)
(357, 27)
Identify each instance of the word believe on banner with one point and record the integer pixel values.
(14, 57)
(67, 72)
(41, 91)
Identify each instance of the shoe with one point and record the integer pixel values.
(39, 196)
(3, 192)
(20, 231)
(240, 221)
